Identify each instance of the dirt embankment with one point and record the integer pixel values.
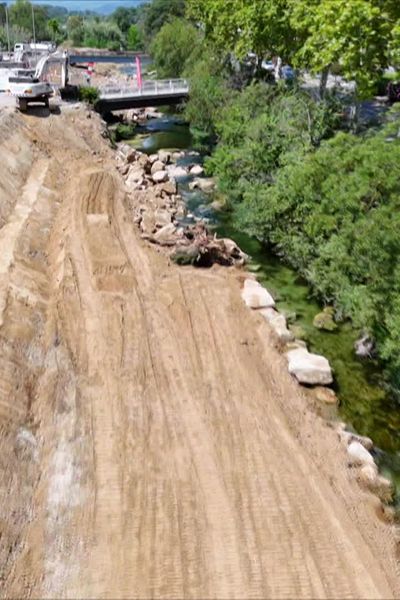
(152, 442)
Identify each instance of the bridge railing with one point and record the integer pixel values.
(148, 88)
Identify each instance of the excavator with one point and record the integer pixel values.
(33, 86)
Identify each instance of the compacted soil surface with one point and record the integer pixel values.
(152, 443)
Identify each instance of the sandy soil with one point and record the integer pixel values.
(152, 443)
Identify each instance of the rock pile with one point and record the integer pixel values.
(158, 209)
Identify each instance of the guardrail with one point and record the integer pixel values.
(148, 88)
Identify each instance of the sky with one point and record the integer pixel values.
(87, 4)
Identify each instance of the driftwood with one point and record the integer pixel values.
(198, 247)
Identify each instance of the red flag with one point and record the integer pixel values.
(139, 72)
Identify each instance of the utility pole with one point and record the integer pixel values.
(8, 31)
(34, 30)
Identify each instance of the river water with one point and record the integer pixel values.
(364, 404)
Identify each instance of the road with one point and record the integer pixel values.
(153, 444)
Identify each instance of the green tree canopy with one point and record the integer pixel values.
(172, 47)
(158, 12)
(54, 26)
(21, 16)
(356, 35)
(133, 38)
(75, 28)
(124, 18)
(259, 26)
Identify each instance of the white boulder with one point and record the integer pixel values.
(157, 166)
(153, 158)
(205, 184)
(159, 176)
(278, 324)
(197, 170)
(164, 156)
(135, 174)
(176, 172)
(309, 368)
(166, 236)
(255, 296)
(358, 455)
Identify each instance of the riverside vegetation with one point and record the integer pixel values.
(320, 188)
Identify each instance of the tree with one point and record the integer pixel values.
(133, 38)
(102, 34)
(356, 35)
(54, 26)
(172, 47)
(75, 29)
(3, 19)
(124, 18)
(208, 89)
(158, 12)
(240, 27)
(21, 16)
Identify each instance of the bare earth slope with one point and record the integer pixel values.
(152, 443)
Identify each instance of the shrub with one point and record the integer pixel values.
(89, 94)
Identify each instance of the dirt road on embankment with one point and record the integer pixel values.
(152, 443)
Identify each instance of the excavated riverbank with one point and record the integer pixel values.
(153, 443)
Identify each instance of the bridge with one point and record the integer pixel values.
(150, 93)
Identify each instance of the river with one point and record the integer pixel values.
(365, 405)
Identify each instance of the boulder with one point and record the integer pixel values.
(177, 172)
(177, 155)
(369, 478)
(348, 436)
(255, 296)
(168, 188)
(232, 249)
(278, 324)
(143, 161)
(136, 173)
(131, 156)
(164, 156)
(295, 345)
(153, 158)
(196, 170)
(309, 368)
(160, 176)
(148, 223)
(358, 455)
(166, 236)
(157, 165)
(325, 396)
(205, 184)
(186, 255)
(123, 169)
(364, 347)
(162, 217)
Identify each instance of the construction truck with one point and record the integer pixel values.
(28, 90)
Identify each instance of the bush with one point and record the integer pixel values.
(124, 132)
(89, 94)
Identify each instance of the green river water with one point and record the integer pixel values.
(364, 404)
